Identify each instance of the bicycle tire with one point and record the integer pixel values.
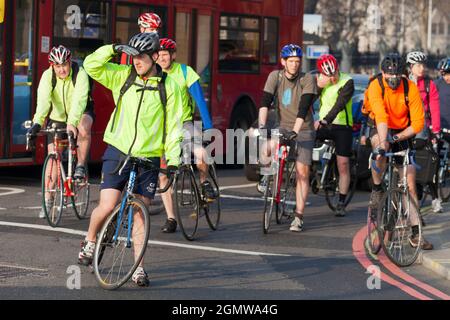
(53, 213)
(288, 199)
(269, 202)
(119, 248)
(373, 235)
(212, 208)
(80, 199)
(444, 185)
(187, 202)
(393, 227)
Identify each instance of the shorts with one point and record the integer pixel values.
(60, 135)
(90, 111)
(304, 145)
(146, 180)
(397, 146)
(342, 137)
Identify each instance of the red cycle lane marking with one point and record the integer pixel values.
(403, 275)
(360, 254)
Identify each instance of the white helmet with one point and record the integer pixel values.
(59, 55)
(416, 57)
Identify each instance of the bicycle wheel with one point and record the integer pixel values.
(187, 202)
(372, 232)
(120, 245)
(212, 208)
(285, 211)
(444, 184)
(396, 217)
(269, 201)
(80, 199)
(52, 191)
(331, 184)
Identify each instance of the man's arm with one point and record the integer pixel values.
(44, 97)
(174, 125)
(416, 113)
(79, 98)
(306, 102)
(345, 94)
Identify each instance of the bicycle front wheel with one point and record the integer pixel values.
(80, 199)
(187, 202)
(373, 237)
(121, 244)
(398, 216)
(270, 201)
(212, 208)
(52, 191)
(331, 184)
(444, 184)
(286, 210)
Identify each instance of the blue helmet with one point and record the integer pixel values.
(291, 50)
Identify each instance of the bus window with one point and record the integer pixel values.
(81, 25)
(22, 68)
(239, 44)
(270, 45)
(127, 16)
(203, 63)
(182, 36)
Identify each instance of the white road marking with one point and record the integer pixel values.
(2, 208)
(241, 198)
(10, 191)
(162, 243)
(20, 267)
(30, 208)
(239, 186)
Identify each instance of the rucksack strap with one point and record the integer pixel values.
(163, 97)
(184, 69)
(380, 82)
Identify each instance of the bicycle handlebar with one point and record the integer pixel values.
(402, 153)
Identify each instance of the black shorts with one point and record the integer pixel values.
(396, 146)
(342, 137)
(90, 111)
(59, 125)
(146, 180)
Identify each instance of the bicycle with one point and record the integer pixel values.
(327, 179)
(276, 197)
(190, 202)
(123, 237)
(397, 214)
(57, 186)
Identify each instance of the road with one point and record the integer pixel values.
(325, 261)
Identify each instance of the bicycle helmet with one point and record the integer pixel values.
(59, 55)
(327, 64)
(416, 57)
(393, 63)
(444, 65)
(149, 20)
(145, 42)
(291, 50)
(167, 44)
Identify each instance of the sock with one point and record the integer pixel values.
(377, 187)
(342, 197)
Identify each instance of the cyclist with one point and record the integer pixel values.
(286, 89)
(188, 80)
(336, 120)
(65, 104)
(147, 22)
(397, 110)
(136, 128)
(416, 62)
(443, 86)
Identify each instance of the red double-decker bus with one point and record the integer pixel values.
(232, 44)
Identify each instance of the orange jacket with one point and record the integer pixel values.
(393, 109)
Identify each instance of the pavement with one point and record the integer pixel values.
(437, 231)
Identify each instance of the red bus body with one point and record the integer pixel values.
(232, 44)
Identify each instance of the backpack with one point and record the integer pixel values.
(161, 89)
(191, 102)
(75, 69)
(366, 110)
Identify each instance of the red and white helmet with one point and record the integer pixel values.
(327, 64)
(167, 44)
(59, 55)
(149, 20)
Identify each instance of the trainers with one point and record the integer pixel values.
(297, 224)
(140, 277)
(436, 204)
(170, 226)
(80, 172)
(86, 254)
(208, 190)
(262, 185)
(414, 241)
(375, 198)
(48, 205)
(340, 210)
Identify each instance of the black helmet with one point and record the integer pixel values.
(145, 42)
(444, 65)
(393, 63)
